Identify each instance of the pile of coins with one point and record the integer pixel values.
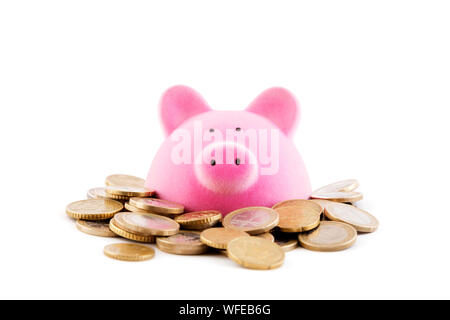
(253, 237)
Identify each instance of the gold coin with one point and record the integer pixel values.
(255, 253)
(157, 205)
(93, 209)
(184, 242)
(329, 236)
(293, 202)
(253, 220)
(199, 220)
(128, 191)
(219, 237)
(96, 228)
(267, 236)
(339, 196)
(299, 218)
(124, 180)
(146, 224)
(131, 208)
(129, 252)
(361, 220)
(97, 193)
(127, 234)
(343, 186)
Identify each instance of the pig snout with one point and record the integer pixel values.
(226, 167)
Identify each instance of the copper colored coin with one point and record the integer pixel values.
(146, 224)
(253, 220)
(157, 205)
(184, 242)
(199, 220)
(329, 236)
(219, 237)
(299, 219)
(97, 228)
(129, 252)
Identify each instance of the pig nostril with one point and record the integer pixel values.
(238, 129)
(213, 162)
(237, 161)
(211, 130)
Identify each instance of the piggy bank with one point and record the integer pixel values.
(226, 160)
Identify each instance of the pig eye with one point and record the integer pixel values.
(237, 161)
(213, 162)
(211, 130)
(238, 129)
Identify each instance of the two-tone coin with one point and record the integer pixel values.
(129, 252)
(199, 220)
(299, 218)
(220, 237)
(157, 205)
(129, 234)
(339, 196)
(329, 236)
(255, 253)
(184, 242)
(124, 180)
(93, 209)
(344, 185)
(146, 224)
(361, 220)
(253, 220)
(97, 228)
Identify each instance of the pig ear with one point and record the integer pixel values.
(178, 104)
(279, 106)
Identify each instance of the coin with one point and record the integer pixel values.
(293, 202)
(255, 253)
(339, 196)
(157, 205)
(253, 220)
(219, 237)
(199, 220)
(96, 228)
(93, 209)
(129, 252)
(97, 193)
(344, 185)
(287, 244)
(184, 242)
(128, 234)
(329, 236)
(146, 224)
(124, 180)
(361, 220)
(299, 218)
(128, 191)
(267, 236)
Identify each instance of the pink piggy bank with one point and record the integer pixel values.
(226, 160)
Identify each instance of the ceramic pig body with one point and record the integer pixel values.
(226, 160)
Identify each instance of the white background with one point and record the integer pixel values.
(79, 87)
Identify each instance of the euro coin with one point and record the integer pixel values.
(293, 202)
(129, 252)
(255, 253)
(267, 236)
(339, 196)
(96, 228)
(361, 220)
(127, 191)
(220, 237)
(199, 220)
(253, 220)
(184, 242)
(129, 234)
(124, 180)
(287, 244)
(299, 219)
(343, 186)
(146, 224)
(157, 205)
(93, 209)
(329, 236)
(97, 193)
(131, 208)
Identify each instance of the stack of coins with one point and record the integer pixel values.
(253, 237)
